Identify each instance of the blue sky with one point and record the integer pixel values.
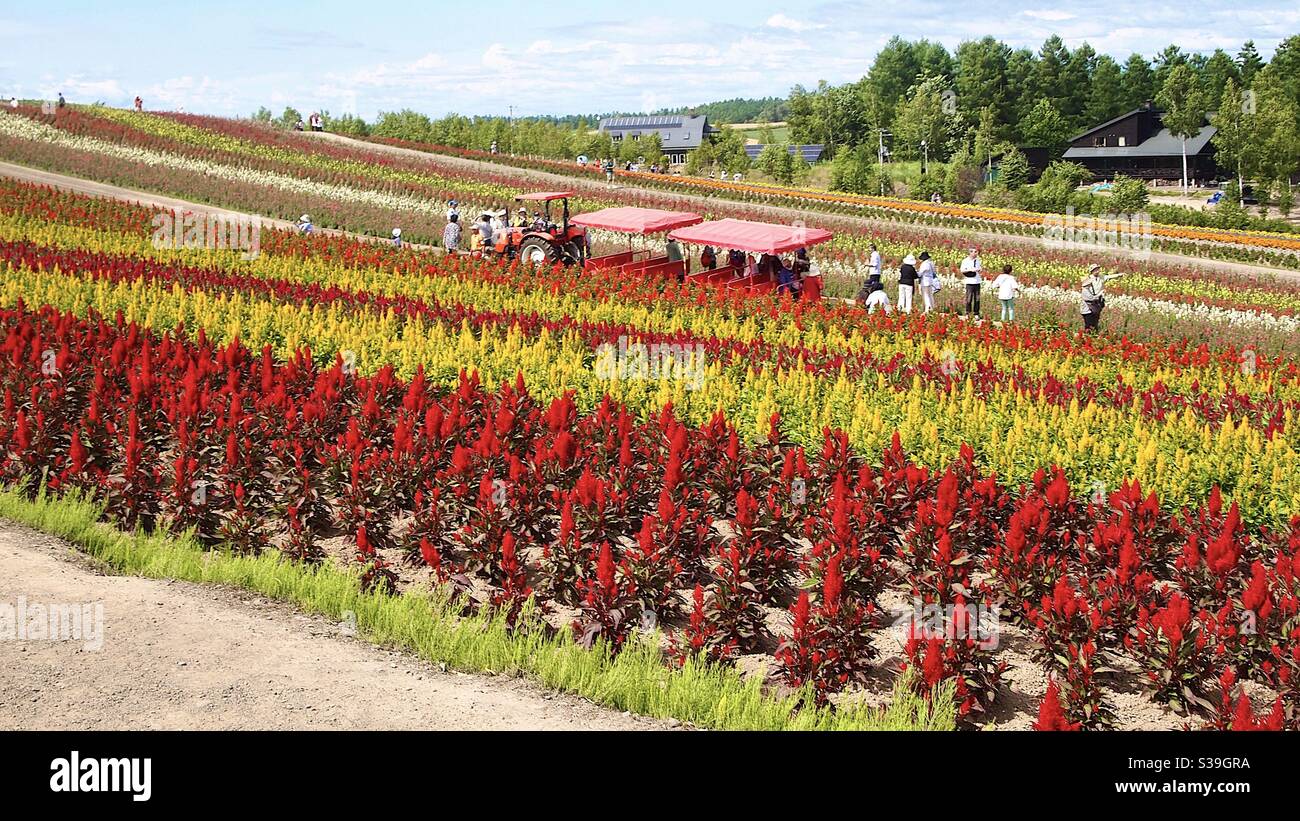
(555, 56)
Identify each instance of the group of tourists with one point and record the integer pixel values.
(788, 274)
(487, 228)
(919, 273)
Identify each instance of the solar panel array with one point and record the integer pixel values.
(643, 122)
(810, 153)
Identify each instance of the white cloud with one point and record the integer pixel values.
(1050, 15)
(782, 21)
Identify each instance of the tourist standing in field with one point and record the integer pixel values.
(485, 231)
(906, 283)
(1093, 297)
(139, 104)
(971, 277)
(62, 102)
(873, 264)
(930, 284)
(451, 234)
(1008, 289)
(674, 251)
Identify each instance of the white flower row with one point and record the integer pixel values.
(1123, 302)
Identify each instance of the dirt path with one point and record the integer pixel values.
(788, 214)
(117, 192)
(183, 656)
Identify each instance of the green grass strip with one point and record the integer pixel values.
(427, 624)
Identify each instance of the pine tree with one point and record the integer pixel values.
(1139, 82)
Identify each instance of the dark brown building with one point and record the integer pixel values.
(1138, 144)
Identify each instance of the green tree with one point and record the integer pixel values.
(1139, 82)
(1055, 189)
(857, 171)
(893, 72)
(1077, 76)
(1022, 65)
(1250, 61)
(1013, 169)
(1219, 69)
(1105, 93)
(1128, 195)
(1275, 129)
(1183, 103)
(1050, 75)
(263, 115)
(346, 124)
(982, 78)
(921, 118)
(1166, 61)
(962, 177)
(1234, 139)
(729, 150)
(1044, 127)
(986, 136)
(289, 118)
(1286, 66)
(778, 163)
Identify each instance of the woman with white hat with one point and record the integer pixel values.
(930, 284)
(397, 237)
(906, 283)
(1093, 296)
(304, 224)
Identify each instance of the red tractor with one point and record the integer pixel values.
(543, 241)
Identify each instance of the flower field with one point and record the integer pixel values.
(246, 167)
(1073, 531)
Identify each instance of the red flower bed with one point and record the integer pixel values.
(489, 487)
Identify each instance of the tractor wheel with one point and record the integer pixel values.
(572, 253)
(538, 251)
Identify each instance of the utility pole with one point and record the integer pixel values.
(881, 155)
(925, 157)
(512, 130)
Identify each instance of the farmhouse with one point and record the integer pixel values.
(678, 133)
(1138, 144)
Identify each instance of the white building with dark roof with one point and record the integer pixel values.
(679, 134)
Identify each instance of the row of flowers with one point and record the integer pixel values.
(235, 143)
(824, 325)
(612, 521)
(1013, 430)
(599, 299)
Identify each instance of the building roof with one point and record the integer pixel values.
(1160, 144)
(676, 131)
(1111, 122)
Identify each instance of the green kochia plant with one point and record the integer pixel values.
(430, 625)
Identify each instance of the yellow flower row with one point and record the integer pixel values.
(459, 282)
(1013, 433)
